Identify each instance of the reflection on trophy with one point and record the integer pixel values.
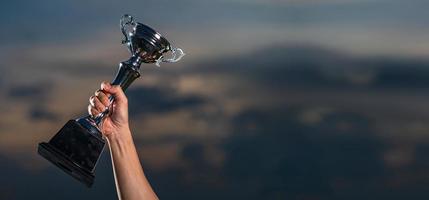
(77, 147)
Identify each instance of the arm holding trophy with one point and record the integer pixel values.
(130, 180)
(77, 147)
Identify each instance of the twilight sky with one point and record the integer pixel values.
(292, 99)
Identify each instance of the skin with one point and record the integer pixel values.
(131, 183)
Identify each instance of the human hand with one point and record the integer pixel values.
(116, 122)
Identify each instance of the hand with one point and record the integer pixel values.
(116, 123)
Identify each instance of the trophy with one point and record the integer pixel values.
(77, 146)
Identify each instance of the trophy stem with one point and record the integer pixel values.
(127, 73)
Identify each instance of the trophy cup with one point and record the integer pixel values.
(77, 146)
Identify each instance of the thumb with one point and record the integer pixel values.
(116, 91)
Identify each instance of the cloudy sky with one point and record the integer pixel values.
(292, 99)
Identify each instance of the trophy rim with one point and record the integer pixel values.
(152, 36)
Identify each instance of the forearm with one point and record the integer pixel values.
(131, 182)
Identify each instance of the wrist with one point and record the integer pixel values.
(120, 133)
(120, 143)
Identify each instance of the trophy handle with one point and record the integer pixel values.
(127, 24)
(176, 55)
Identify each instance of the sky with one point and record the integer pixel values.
(274, 100)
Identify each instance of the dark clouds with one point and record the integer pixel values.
(402, 73)
(272, 155)
(38, 112)
(36, 95)
(149, 100)
(36, 91)
(314, 66)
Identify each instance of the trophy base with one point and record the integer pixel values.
(57, 158)
(75, 149)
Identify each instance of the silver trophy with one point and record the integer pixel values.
(77, 146)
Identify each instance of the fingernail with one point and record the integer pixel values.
(106, 86)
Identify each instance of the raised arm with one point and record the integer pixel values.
(131, 183)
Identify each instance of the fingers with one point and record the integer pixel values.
(96, 103)
(100, 100)
(95, 106)
(102, 97)
(115, 91)
(93, 111)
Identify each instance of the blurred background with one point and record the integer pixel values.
(275, 99)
